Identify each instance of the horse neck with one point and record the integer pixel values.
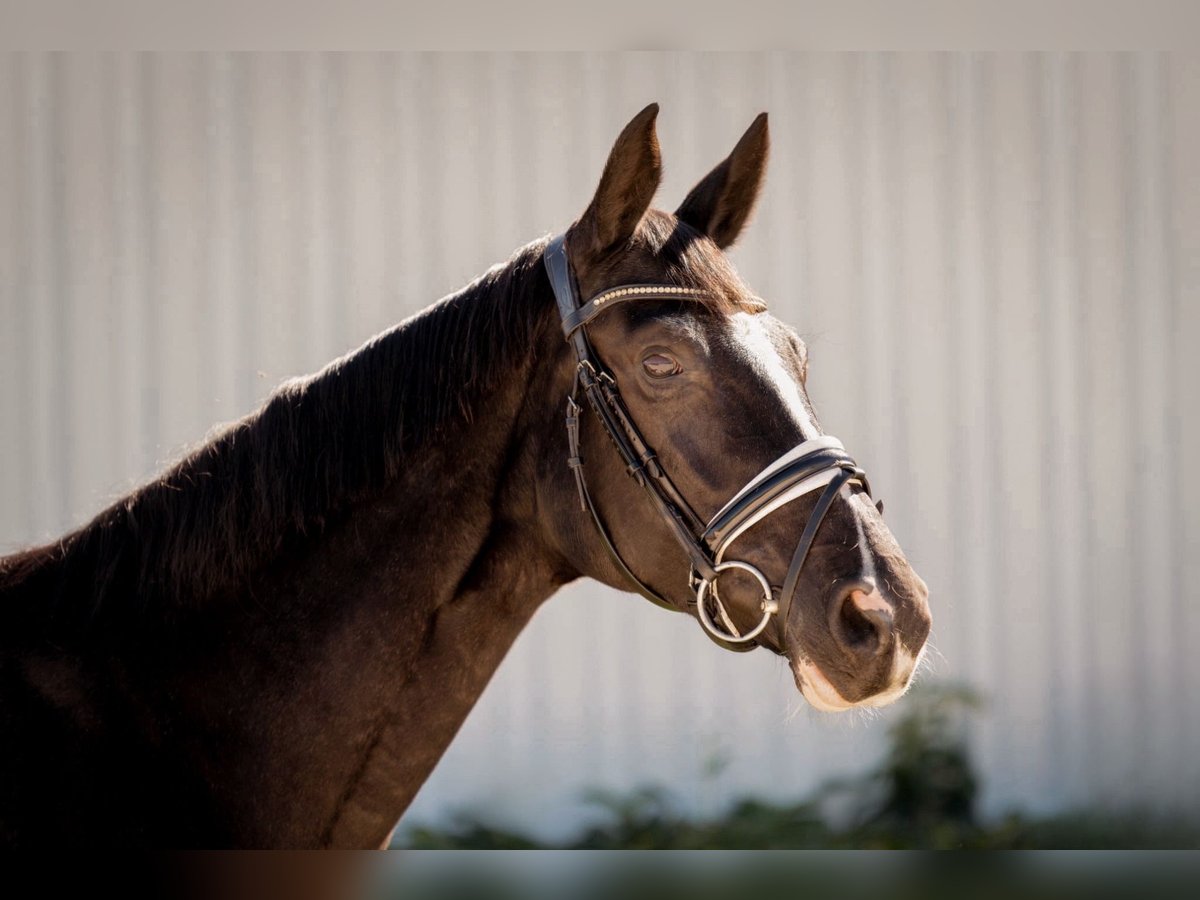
(319, 684)
(421, 594)
(410, 602)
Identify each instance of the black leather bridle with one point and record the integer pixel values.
(814, 464)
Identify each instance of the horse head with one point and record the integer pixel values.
(740, 510)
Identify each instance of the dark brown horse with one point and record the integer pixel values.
(274, 642)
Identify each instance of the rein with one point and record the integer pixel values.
(820, 463)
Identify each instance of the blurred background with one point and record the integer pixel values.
(995, 261)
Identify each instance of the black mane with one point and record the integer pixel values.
(317, 445)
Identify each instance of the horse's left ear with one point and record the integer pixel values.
(722, 202)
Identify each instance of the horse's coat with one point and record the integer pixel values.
(273, 643)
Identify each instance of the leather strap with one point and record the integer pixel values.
(558, 266)
(585, 503)
(728, 521)
(598, 387)
(606, 299)
(815, 518)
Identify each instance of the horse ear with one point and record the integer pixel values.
(723, 200)
(631, 176)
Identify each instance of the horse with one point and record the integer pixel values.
(273, 643)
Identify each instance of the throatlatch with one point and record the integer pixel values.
(818, 464)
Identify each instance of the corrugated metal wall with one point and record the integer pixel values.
(995, 260)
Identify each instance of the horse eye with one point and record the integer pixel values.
(660, 366)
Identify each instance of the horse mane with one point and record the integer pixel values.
(322, 442)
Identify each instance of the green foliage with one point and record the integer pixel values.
(921, 795)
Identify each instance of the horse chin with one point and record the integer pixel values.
(816, 688)
(823, 696)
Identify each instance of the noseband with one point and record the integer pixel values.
(807, 467)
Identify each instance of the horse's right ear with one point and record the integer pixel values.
(723, 200)
(631, 176)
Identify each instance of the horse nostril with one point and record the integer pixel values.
(861, 620)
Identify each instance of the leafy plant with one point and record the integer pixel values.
(922, 794)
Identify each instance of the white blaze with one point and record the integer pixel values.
(752, 337)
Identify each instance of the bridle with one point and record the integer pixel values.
(810, 466)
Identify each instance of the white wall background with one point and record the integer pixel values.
(995, 260)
